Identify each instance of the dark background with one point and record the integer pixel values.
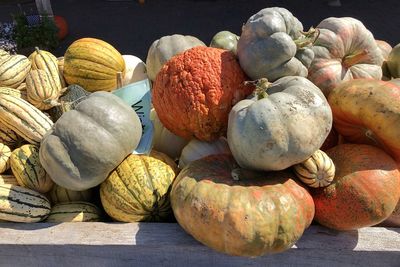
(132, 27)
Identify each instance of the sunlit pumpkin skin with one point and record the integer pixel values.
(195, 90)
(259, 213)
(393, 62)
(364, 192)
(225, 40)
(344, 50)
(267, 47)
(367, 111)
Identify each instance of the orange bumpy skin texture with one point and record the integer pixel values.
(195, 90)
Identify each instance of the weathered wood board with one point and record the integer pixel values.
(151, 244)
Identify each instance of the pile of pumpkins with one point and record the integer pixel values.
(256, 136)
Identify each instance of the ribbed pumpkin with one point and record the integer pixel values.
(5, 154)
(365, 190)
(13, 70)
(9, 137)
(316, 171)
(138, 190)
(240, 212)
(26, 167)
(77, 211)
(59, 194)
(46, 61)
(8, 179)
(164, 158)
(195, 90)
(23, 118)
(41, 93)
(92, 64)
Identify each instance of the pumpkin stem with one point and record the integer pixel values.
(262, 86)
(119, 79)
(354, 59)
(37, 49)
(307, 38)
(51, 102)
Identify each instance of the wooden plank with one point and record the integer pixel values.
(151, 244)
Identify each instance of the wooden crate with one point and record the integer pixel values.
(162, 244)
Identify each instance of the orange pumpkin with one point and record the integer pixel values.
(364, 192)
(195, 90)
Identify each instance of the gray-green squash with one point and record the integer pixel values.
(279, 128)
(393, 62)
(225, 40)
(87, 143)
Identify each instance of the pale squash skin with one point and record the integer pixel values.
(161, 50)
(74, 211)
(135, 70)
(393, 62)
(282, 129)
(344, 50)
(225, 40)
(87, 143)
(262, 212)
(5, 154)
(267, 46)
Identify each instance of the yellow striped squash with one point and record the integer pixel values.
(165, 158)
(9, 137)
(28, 170)
(60, 63)
(23, 118)
(138, 190)
(8, 179)
(77, 211)
(46, 61)
(3, 54)
(5, 153)
(92, 64)
(317, 171)
(13, 70)
(41, 93)
(15, 92)
(20, 204)
(60, 194)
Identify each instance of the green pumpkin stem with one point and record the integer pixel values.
(307, 38)
(262, 86)
(354, 59)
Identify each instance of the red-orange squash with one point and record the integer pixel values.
(364, 192)
(367, 111)
(195, 90)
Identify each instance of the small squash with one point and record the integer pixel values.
(5, 154)
(13, 70)
(317, 171)
(135, 70)
(225, 40)
(76, 211)
(59, 194)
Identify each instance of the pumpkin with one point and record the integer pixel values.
(13, 70)
(237, 211)
(59, 194)
(316, 171)
(273, 45)
(5, 154)
(92, 64)
(197, 149)
(195, 91)
(62, 26)
(138, 190)
(366, 111)
(283, 124)
(165, 141)
(225, 40)
(331, 140)
(385, 49)
(135, 70)
(161, 50)
(395, 81)
(28, 171)
(87, 143)
(344, 50)
(364, 192)
(394, 218)
(393, 62)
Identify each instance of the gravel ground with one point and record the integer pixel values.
(132, 27)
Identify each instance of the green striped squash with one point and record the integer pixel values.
(9, 137)
(23, 118)
(60, 194)
(41, 92)
(5, 154)
(14, 92)
(13, 70)
(138, 190)
(3, 55)
(20, 204)
(26, 167)
(8, 179)
(77, 211)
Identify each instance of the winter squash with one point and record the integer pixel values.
(3, 55)
(237, 211)
(76, 211)
(135, 70)
(316, 171)
(283, 124)
(161, 50)
(138, 190)
(273, 45)
(385, 49)
(394, 218)
(13, 70)
(195, 90)
(28, 171)
(59, 194)
(393, 62)
(8, 179)
(344, 50)
(366, 111)
(225, 40)
(331, 140)
(92, 64)
(5, 154)
(365, 190)
(197, 149)
(164, 158)
(87, 143)
(9, 138)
